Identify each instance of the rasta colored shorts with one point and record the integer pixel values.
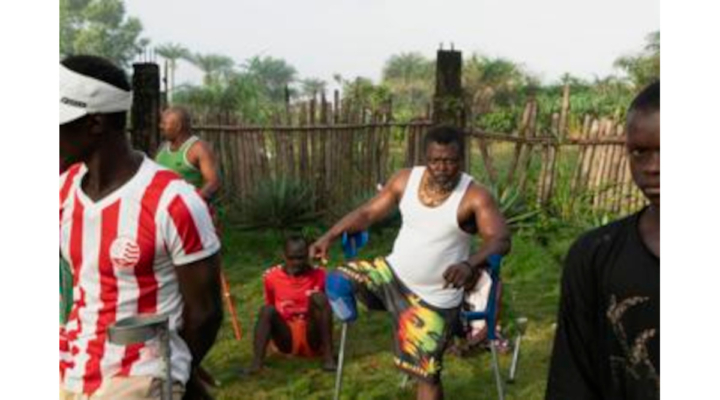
(421, 331)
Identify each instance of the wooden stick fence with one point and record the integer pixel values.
(342, 152)
(342, 149)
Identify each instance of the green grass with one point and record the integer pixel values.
(531, 275)
(531, 278)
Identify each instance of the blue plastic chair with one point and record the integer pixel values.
(490, 318)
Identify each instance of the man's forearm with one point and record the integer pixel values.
(495, 246)
(354, 222)
(200, 331)
(209, 189)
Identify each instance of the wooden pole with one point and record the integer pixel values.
(564, 111)
(588, 161)
(552, 154)
(597, 179)
(145, 113)
(527, 160)
(519, 145)
(304, 174)
(613, 172)
(447, 102)
(577, 185)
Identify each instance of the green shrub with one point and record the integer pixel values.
(282, 204)
(341, 208)
(514, 206)
(499, 121)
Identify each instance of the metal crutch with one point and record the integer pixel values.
(339, 291)
(522, 327)
(494, 264)
(342, 300)
(140, 329)
(341, 362)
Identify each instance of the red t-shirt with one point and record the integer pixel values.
(290, 295)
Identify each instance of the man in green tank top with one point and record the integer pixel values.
(194, 160)
(186, 153)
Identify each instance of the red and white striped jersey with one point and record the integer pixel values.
(123, 250)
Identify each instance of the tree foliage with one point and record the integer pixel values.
(493, 82)
(236, 94)
(364, 95)
(310, 88)
(410, 78)
(644, 67)
(272, 74)
(99, 27)
(173, 52)
(213, 66)
(496, 89)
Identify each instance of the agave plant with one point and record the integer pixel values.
(340, 209)
(513, 205)
(281, 204)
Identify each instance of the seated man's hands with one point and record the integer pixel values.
(461, 275)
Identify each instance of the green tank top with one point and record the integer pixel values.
(178, 162)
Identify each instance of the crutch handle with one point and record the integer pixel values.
(353, 242)
(340, 295)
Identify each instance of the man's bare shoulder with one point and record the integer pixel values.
(399, 181)
(402, 175)
(199, 149)
(201, 146)
(478, 195)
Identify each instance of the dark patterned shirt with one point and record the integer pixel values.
(607, 344)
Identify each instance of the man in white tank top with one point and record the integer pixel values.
(421, 282)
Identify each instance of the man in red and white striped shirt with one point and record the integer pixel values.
(139, 240)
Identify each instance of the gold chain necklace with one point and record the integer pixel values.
(432, 198)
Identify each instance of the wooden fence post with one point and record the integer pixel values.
(448, 103)
(530, 133)
(145, 114)
(525, 122)
(448, 107)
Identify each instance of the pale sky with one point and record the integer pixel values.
(355, 37)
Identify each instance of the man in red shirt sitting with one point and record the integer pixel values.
(296, 314)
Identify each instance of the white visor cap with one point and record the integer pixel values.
(81, 95)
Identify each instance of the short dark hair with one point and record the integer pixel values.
(103, 70)
(295, 238)
(648, 100)
(446, 134)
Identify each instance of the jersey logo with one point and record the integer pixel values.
(124, 253)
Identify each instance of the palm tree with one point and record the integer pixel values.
(364, 94)
(312, 86)
(410, 77)
(338, 78)
(644, 67)
(407, 67)
(213, 66)
(273, 74)
(653, 42)
(572, 80)
(172, 52)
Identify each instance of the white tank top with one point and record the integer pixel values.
(430, 240)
